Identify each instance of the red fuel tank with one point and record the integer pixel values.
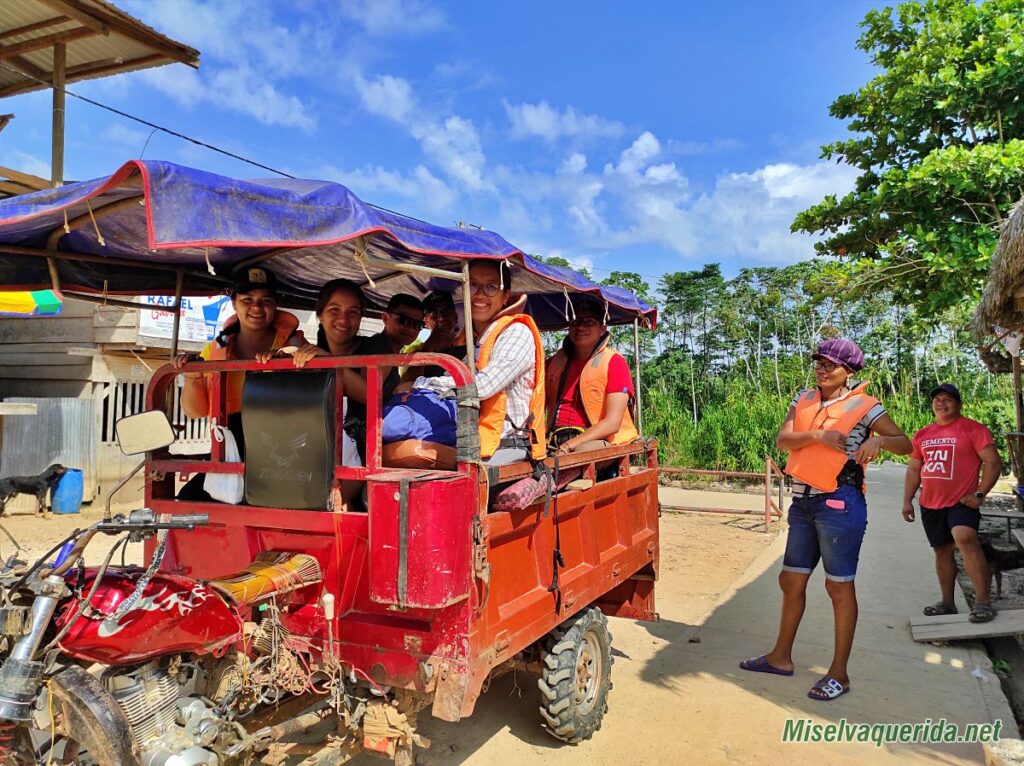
(173, 614)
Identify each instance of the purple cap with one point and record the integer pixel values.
(841, 351)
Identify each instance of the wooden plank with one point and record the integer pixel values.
(46, 329)
(958, 627)
(18, 408)
(35, 26)
(993, 514)
(7, 187)
(25, 179)
(78, 14)
(46, 41)
(42, 360)
(1018, 536)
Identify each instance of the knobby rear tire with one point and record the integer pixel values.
(576, 662)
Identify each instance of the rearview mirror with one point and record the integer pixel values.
(144, 432)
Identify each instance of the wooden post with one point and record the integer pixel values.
(57, 133)
(1018, 405)
(636, 375)
(767, 495)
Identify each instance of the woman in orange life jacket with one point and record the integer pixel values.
(510, 367)
(588, 386)
(256, 328)
(828, 435)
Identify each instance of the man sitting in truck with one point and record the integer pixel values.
(510, 367)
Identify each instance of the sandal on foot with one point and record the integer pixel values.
(982, 613)
(761, 665)
(827, 688)
(940, 608)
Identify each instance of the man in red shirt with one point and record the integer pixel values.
(945, 463)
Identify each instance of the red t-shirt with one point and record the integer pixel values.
(570, 404)
(949, 460)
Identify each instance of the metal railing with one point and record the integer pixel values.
(772, 472)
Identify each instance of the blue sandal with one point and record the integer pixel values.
(761, 665)
(827, 688)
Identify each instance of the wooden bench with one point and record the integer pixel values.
(1008, 515)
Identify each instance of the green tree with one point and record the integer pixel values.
(939, 145)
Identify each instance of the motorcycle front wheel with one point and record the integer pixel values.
(80, 724)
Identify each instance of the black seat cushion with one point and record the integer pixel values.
(288, 420)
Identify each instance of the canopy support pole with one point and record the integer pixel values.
(51, 254)
(51, 265)
(89, 217)
(636, 374)
(467, 320)
(179, 286)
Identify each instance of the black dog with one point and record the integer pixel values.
(38, 485)
(999, 560)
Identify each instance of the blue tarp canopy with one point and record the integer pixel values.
(133, 233)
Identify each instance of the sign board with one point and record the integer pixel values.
(200, 317)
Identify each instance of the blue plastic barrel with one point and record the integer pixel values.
(67, 496)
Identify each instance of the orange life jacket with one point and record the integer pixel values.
(285, 326)
(817, 465)
(492, 410)
(592, 386)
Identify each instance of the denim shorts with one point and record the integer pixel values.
(829, 527)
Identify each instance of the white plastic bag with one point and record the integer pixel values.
(225, 487)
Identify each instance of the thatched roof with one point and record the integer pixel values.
(1002, 302)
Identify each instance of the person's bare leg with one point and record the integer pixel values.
(945, 568)
(844, 609)
(794, 599)
(974, 563)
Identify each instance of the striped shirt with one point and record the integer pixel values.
(854, 439)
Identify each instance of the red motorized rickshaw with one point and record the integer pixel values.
(255, 622)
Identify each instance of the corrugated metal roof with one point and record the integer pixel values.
(100, 40)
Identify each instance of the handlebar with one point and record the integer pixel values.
(142, 520)
(145, 520)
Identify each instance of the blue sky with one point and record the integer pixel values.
(642, 136)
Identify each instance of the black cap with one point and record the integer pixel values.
(947, 388)
(439, 299)
(253, 278)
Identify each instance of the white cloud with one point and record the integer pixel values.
(749, 214)
(544, 121)
(386, 96)
(239, 89)
(452, 142)
(249, 57)
(377, 184)
(455, 145)
(393, 17)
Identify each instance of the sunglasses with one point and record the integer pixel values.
(585, 322)
(412, 324)
(490, 289)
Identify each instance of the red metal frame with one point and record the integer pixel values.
(492, 597)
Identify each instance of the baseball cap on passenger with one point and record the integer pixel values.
(841, 351)
(946, 388)
(253, 278)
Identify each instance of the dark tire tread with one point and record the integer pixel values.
(559, 650)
